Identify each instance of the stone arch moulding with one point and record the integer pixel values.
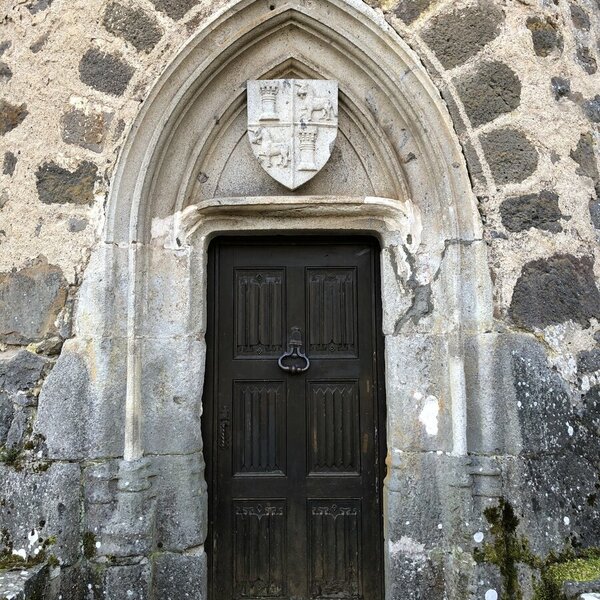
(139, 333)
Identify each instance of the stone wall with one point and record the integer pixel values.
(521, 83)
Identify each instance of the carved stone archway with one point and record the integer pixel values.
(183, 177)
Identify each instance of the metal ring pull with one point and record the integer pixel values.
(294, 354)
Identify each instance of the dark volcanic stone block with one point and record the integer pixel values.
(11, 116)
(61, 186)
(85, 130)
(584, 155)
(105, 72)
(410, 10)
(10, 162)
(510, 154)
(493, 89)
(532, 210)
(459, 35)
(545, 35)
(132, 24)
(176, 9)
(554, 290)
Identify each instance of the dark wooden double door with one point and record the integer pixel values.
(294, 458)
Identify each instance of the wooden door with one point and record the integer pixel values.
(294, 450)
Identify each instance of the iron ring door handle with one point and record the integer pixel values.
(294, 354)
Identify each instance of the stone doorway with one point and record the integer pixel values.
(185, 176)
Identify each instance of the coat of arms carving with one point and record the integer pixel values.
(292, 125)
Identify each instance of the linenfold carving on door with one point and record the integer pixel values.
(296, 466)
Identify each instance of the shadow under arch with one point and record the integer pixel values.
(145, 286)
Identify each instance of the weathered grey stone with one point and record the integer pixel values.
(61, 186)
(81, 404)
(410, 10)
(419, 419)
(21, 371)
(457, 36)
(510, 154)
(181, 501)
(4, 46)
(129, 582)
(41, 506)
(492, 412)
(36, 6)
(544, 402)
(24, 584)
(552, 490)
(101, 310)
(20, 374)
(130, 528)
(586, 60)
(491, 90)
(532, 210)
(561, 87)
(10, 162)
(555, 290)
(67, 583)
(588, 361)
(178, 577)
(30, 302)
(175, 9)
(545, 35)
(415, 528)
(592, 109)
(5, 72)
(11, 115)
(107, 73)
(85, 130)
(473, 164)
(553, 479)
(18, 428)
(580, 18)
(582, 590)
(133, 25)
(406, 484)
(170, 389)
(416, 577)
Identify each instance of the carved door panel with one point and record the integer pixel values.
(294, 450)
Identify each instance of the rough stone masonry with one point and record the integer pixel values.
(521, 85)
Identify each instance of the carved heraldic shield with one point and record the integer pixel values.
(292, 126)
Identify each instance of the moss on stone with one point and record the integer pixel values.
(580, 569)
(89, 545)
(53, 561)
(10, 561)
(555, 574)
(508, 549)
(12, 457)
